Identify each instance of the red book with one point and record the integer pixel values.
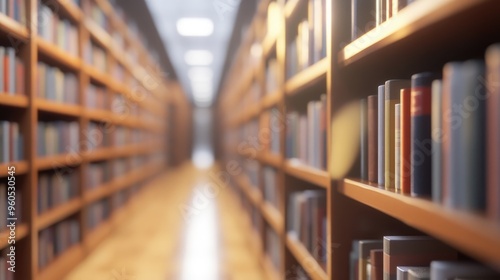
(405, 160)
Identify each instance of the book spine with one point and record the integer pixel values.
(493, 132)
(372, 138)
(437, 130)
(354, 19)
(405, 157)
(364, 139)
(11, 52)
(421, 140)
(381, 135)
(397, 147)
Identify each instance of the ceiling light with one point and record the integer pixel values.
(200, 74)
(195, 26)
(198, 57)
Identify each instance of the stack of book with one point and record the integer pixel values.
(96, 97)
(96, 56)
(411, 257)
(307, 221)
(366, 15)
(57, 137)
(56, 188)
(56, 239)
(11, 72)
(56, 30)
(271, 186)
(15, 9)
(273, 78)
(273, 248)
(98, 173)
(306, 134)
(438, 138)
(56, 85)
(11, 142)
(6, 197)
(310, 44)
(98, 212)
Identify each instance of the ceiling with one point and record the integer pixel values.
(199, 82)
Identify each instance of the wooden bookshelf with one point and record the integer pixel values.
(306, 173)
(272, 216)
(305, 259)
(477, 233)
(268, 158)
(307, 77)
(27, 109)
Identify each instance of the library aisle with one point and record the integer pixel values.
(163, 241)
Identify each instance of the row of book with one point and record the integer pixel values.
(11, 72)
(96, 97)
(5, 273)
(366, 15)
(271, 192)
(57, 137)
(273, 77)
(120, 198)
(307, 221)
(273, 248)
(6, 196)
(56, 188)
(120, 167)
(56, 239)
(309, 46)
(15, 9)
(96, 56)
(98, 136)
(252, 171)
(438, 138)
(306, 134)
(270, 135)
(11, 142)
(99, 173)
(98, 16)
(56, 85)
(411, 257)
(98, 212)
(57, 30)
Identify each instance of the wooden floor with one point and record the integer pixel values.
(182, 228)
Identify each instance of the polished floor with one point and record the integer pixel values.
(184, 227)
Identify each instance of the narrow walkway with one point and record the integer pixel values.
(184, 228)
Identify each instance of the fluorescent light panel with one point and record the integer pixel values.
(193, 26)
(200, 74)
(198, 57)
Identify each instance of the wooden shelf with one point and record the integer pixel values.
(13, 28)
(471, 233)
(58, 213)
(22, 231)
(18, 101)
(409, 21)
(100, 192)
(268, 45)
(273, 217)
(268, 158)
(54, 52)
(252, 193)
(98, 34)
(97, 75)
(99, 154)
(307, 77)
(272, 99)
(63, 109)
(269, 268)
(21, 168)
(309, 174)
(71, 10)
(63, 263)
(292, 7)
(99, 115)
(304, 258)
(55, 161)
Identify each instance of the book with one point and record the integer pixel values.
(392, 94)
(381, 135)
(354, 260)
(377, 264)
(405, 156)
(419, 273)
(397, 147)
(57, 30)
(364, 263)
(98, 212)
(413, 251)
(98, 173)
(56, 188)
(56, 85)
(493, 131)
(403, 271)
(363, 17)
(271, 193)
(464, 148)
(11, 142)
(454, 269)
(57, 137)
(56, 239)
(364, 139)
(437, 130)
(15, 9)
(372, 138)
(421, 138)
(380, 11)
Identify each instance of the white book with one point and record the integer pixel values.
(381, 135)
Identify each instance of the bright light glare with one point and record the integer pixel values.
(195, 26)
(200, 74)
(198, 57)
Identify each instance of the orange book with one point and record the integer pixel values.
(405, 154)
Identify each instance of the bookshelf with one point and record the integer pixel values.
(132, 103)
(421, 37)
